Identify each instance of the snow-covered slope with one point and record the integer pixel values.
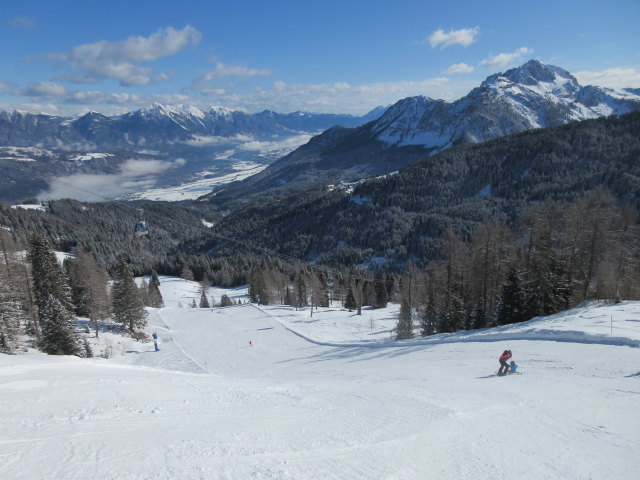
(269, 392)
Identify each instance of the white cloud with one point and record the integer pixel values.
(442, 39)
(458, 68)
(612, 78)
(124, 60)
(47, 109)
(205, 84)
(281, 146)
(337, 97)
(214, 140)
(332, 97)
(43, 90)
(503, 59)
(134, 176)
(223, 70)
(248, 143)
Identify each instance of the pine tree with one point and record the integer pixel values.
(350, 300)
(154, 295)
(225, 301)
(428, 318)
(301, 291)
(48, 277)
(128, 309)
(58, 329)
(546, 288)
(477, 317)
(87, 351)
(288, 297)
(204, 302)
(380, 288)
(258, 287)
(511, 307)
(404, 327)
(53, 300)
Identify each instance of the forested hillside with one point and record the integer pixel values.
(106, 229)
(401, 217)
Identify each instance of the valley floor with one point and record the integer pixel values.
(267, 392)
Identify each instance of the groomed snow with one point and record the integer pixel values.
(269, 392)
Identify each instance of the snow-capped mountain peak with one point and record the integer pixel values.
(536, 78)
(179, 110)
(533, 95)
(219, 111)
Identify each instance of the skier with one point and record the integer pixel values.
(506, 355)
(513, 367)
(155, 341)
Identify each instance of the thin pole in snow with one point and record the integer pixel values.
(611, 324)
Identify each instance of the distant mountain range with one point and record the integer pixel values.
(531, 96)
(190, 149)
(158, 126)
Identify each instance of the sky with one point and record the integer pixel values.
(348, 56)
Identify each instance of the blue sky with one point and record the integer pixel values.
(68, 57)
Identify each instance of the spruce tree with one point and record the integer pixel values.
(258, 292)
(154, 295)
(58, 329)
(128, 309)
(53, 300)
(225, 301)
(477, 317)
(48, 277)
(288, 297)
(511, 306)
(380, 288)
(204, 302)
(428, 319)
(546, 287)
(350, 300)
(404, 327)
(301, 291)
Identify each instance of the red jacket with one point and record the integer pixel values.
(505, 356)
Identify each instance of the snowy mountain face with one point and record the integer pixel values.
(534, 95)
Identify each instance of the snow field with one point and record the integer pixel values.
(329, 397)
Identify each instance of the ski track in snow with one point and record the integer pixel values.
(329, 397)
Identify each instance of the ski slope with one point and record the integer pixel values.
(268, 392)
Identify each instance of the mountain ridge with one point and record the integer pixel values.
(158, 125)
(531, 96)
